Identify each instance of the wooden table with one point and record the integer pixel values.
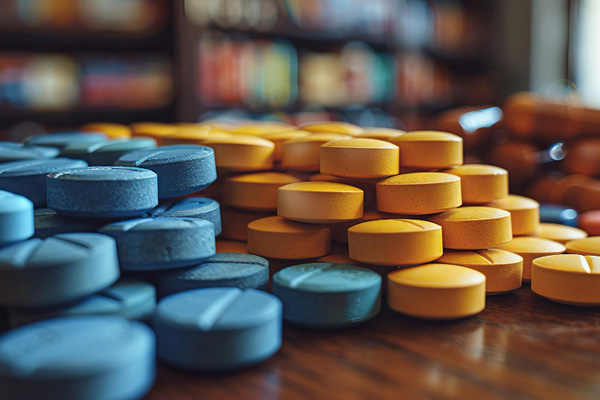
(521, 346)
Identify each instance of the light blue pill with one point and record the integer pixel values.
(328, 295)
(162, 243)
(57, 270)
(190, 207)
(244, 271)
(218, 328)
(558, 215)
(16, 218)
(11, 151)
(108, 151)
(65, 139)
(102, 192)
(76, 358)
(49, 223)
(28, 177)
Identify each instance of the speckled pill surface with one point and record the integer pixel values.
(429, 150)
(589, 246)
(531, 248)
(524, 213)
(304, 153)
(360, 158)
(190, 207)
(481, 183)
(257, 191)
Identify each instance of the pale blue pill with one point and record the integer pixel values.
(57, 270)
(102, 192)
(218, 328)
(75, 358)
(49, 223)
(558, 214)
(16, 218)
(11, 151)
(190, 207)
(28, 177)
(244, 271)
(328, 295)
(162, 243)
(65, 139)
(181, 170)
(108, 151)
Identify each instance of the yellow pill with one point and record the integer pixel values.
(154, 130)
(588, 246)
(111, 130)
(524, 213)
(436, 291)
(559, 233)
(567, 278)
(242, 152)
(380, 133)
(256, 192)
(277, 237)
(367, 186)
(481, 183)
(531, 248)
(339, 232)
(395, 242)
(234, 223)
(279, 139)
(343, 128)
(429, 150)
(304, 153)
(473, 228)
(186, 135)
(503, 270)
(320, 202)
(360, 158)
(259, 128)
(418, 193)
(230, 246)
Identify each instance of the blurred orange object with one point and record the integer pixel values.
(589, 221)
(518, 158)
(473, 124)
(583, 157)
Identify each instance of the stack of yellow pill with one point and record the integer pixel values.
(380, 133)
(360, 158)
(524, 213)
(481, 183)
(257, 191)
(242, 152)
(429, 150)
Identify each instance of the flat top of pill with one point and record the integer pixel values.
(332, 126)
(470, 214)
(479, 257)
(261, 128)
(181, 207)
(477, 169)
(282, 225)
(98, 174)
(19, 151)
(393, 226)
(61, 139)
(242, 140)
(360, 144)
(530, 244)
(317, 138)
(157, 224)
(241, 265)
(428, 136)
(514, 202)
(327, 277)
(36, 167)
(570, 263)
(10, 202)
(106, 146)
(156, 128)
(589, 245)
(287, 135)
(419, 178)
(321, 187)
(265, 177)
(391, 132)
(166, 154)
(558, 231)
(437, 275)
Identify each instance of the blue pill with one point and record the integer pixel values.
(102, 192)
(328, 295)
(11, 151)
(75, 358)
(48, 223)
(190, 207)
(16, 218)
(28, 177)
(57, 270)
(162, 243)
(106, 152)
(181, 169)
(244, 271)
(65, 139)
(218, 328)
(557, 214)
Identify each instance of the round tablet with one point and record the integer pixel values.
(556, 214)
(473, 228)
(48, 223)
(126, 298)
(366, 185)
(110, 129)
(328, 295)
(242, 152)
(231, 246)
(380, 133)
(531, 248)
(16, 218)
(503, 270)
(190, 207)
(340, 127)
(524, 213)
(304, 153)
(589, 221)
(28, 177)
(481, 183)
(280, 138)
(107, 151)
(256, 192)
(429, 150)
(259, 128)
(567, 278)
(102, 192)
(181, 169)
(154, 130)
(53, 271)
(360, 158)
(245, 271)
(320, 202)
(73, 358)
(339, 232)
(436, 291)
(419, 193)
(235, 223)
(195, 134)
(559, 233)
(10, 151)
(276, 237)
(162, 243)
(64, 139)
(589, 246)
(395, 242)
(218, 328)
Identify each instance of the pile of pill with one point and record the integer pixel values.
(196, 241)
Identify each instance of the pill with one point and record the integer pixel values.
(503, 270)
(304, 153)
(436, 291)
(429, 150)
(106, 152)
(127, 298)
(28, 177)
(102, 192)
(589, 246)
(195, 134)
(162, 243)
(481, 183)
(56, 270)
(181, 170)
(242, 152)
(64, 139)
(343, 128)
(558, 215)
(589, 221)
(73, 358)
(235, 223)
(277, 237)
(359, 158)
(280, 138)
(339, 231)
(245, 271)
(320, 202)
(367, 186)
(48, 223)
(395, 242)
(259, 128)
(16, 218)
(567, 278)
(559, 233)
(419, 193)
(11, 151)
(110, 129)
(257, 191)
(328, 295)
(231, 246)
(473, 228)
(531, 248)
(218, 328)
(154, 130)
(474, 124)
(524, 213)
(380, 133)
(190, 207)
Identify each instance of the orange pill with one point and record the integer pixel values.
(154, 130)
(339, 232)
(193, 134)
(256, 192)
(429, 150)
(235, 223)
(589, 246)
(242, 152)
(481, 183)
(360, 158)
(524, 213)
(304, 153)
(380, 133)
(589, 221)
(559, 233)
(367, 186)
(531, 248)
(256, 128)
(280, 138)
(343, 128)
(113, 131)
(231, 246)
